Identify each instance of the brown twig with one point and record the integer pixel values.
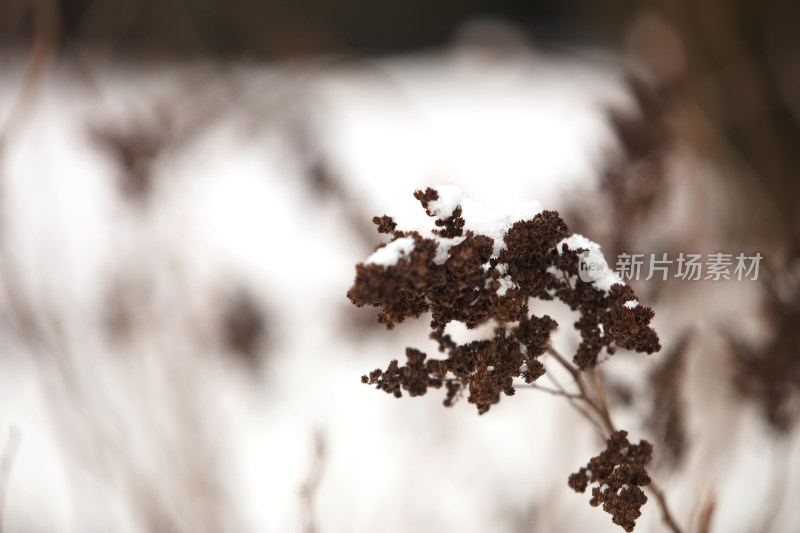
(705, 513)
(6, 463)
(309, 489)
(573, 400)
(585, 397)
(548, 390)
(45, 44)
(666, 515)
(601, 393)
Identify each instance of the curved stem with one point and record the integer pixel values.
(666, 516)
(605, 418)
(6, 463)
(548, 390)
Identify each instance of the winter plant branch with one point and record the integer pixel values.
(483, 264)
(578, 481)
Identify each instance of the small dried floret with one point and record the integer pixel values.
(448, 216)
(426, 197)
(385, 224)
(452, 226)
(618, 472)
(630, 326)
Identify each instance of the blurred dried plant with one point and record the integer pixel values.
(666, 420)
(769, 373)
(244, 327)
(310, 486)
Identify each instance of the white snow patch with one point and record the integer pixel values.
(495, 219)
(390, 254)
(601, 275)
(630, 304)
(443, 248)
(576, 241)
(505, 283)
(450, 197)
(608, 280)
(482, 218)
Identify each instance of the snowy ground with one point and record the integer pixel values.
(162, 429)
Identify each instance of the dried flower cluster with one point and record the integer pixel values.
(666, 419)
(618, 473)
(473, 273)
(633, 184)
(770, 374)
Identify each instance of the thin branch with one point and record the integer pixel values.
(705, 512)
(666, 517)
(601, 410)
(601, 393)
(45, 45)
(309, 489)
(546, 389)
(563, 361)
(6, 463)
(566, 279)
(605, 418)
(575, 405)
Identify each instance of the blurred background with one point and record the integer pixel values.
(187, 185)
